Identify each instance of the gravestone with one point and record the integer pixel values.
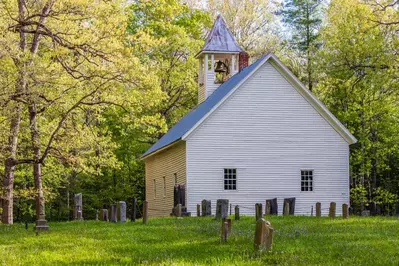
(258, 211)
(345, 211)
(286, 208)
(179, 210)
(179, 195)
(134, 210)
(206, 208)
(237, 213)
(224, 231)
(78, 210)
(104, 215)
(332, 209)
(113, 213)
(222, 208)
(263, 235)
(397, 209)
(121, 216)
(268, 208)
(365, 213)
(318, 209)
(273, 206)
(198, 210)
(291, 202)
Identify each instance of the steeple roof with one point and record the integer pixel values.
(220, 38)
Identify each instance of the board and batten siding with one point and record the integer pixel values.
(164, 164)
(269, 133)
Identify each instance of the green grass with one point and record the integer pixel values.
(196, 241)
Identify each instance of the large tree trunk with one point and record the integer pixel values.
(9, 164)
(41, 223)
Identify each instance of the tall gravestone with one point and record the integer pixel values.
(222, 208)
(134, 210)
(271, 207)
(206, 208)
(291, 202)
(121, 214)
(258, 211)
(113, 213)
(78, 210)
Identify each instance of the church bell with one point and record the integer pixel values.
(221, 67)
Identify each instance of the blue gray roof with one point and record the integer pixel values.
(220, 38)
(189, 120)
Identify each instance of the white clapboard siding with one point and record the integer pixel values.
(269, 132)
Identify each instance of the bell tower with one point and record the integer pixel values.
(219, 59)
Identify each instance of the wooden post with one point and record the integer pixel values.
(258, 211)
(134, 210)
(286, 209)
(331, 213)
(345, 211)
(268, 208)
(198, 210)
(178, 210)
(263, 235)
(318, 209)
(237, 212)
(145, 212)
(224, 231)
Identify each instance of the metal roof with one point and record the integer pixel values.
(220, 38)
(189, 120)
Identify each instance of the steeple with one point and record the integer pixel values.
(220, 58)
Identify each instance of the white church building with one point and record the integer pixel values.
(257, 133)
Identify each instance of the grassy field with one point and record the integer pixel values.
(196, 241)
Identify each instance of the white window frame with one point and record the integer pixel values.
(234, 183)
(307, 180)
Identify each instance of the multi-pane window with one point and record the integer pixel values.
(155, 189)
(164, 186)
(306, 180)
(230, 179)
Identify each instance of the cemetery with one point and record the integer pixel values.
(122, 235)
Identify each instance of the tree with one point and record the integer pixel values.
(303, 17)
(65, 60)
(253, 23)
(359, 83)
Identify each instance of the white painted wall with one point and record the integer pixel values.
(269, 132)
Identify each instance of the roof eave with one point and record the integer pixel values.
(214, 51)
(146, 156)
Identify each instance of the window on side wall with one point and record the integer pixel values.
(155, 189)
(306, 180)
(230, 179)
(164, 186)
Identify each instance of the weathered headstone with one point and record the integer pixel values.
(206, 208)
(332, 209)
(145, 212)
(179, 195)
(121, 217)
(178, 210)
(222, 208)
(134, 210)
(258, 211)
(274, 207)
(318, 209)
(311, 211)
(268, 208)
(78, 210)
(263, 235)
(237, 212)
(114, 211)
(198, 210)
(104, 215)
(291, 202)
(365, 213)
(345, 211)
(286, 208)
(97, 211)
